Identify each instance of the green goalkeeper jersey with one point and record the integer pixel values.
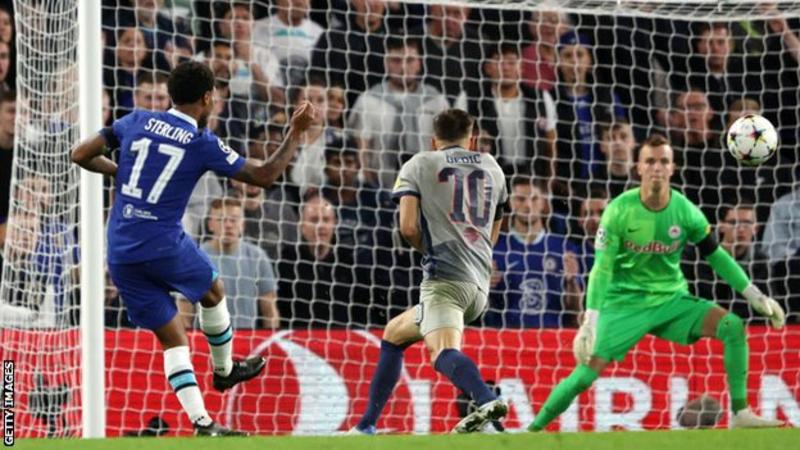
(638, 251)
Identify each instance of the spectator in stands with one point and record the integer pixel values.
(151, 92)
(707, 173)
(309, 166)
(350, 53)
(697, 149)
(583, 107)
(365, 216)
(233, 114)
(740, 108)
(7, 37)
(270, 215)
(769, 180)
(617, 147)
(8, 113)
(365, 213)
(34, 194)
(218, 119)
(691, 121)
(23, 287)
(395, 118)
(43, 254)
(315, 273)
(256, 71)
(589, 214)
(539, 57)
(208, 187)
(106, 108)
(258, 142)
(274, 132)
(485, 141)
(290, 35)
(521, 119)
(715, 70)
(337, 107)
(220, 59)
(781, 27)
(167, 36)
(451, 53)
(6, 26)
(782, 233)
(781, 244)
(536, 276)
(206, 15)
(244, 268)
(736, 230)
(5, 67)
(122, 66)
(782, 51)
(267, 222)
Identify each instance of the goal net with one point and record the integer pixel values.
(563, 93)
(39, 296)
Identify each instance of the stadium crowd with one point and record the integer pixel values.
(560, 100)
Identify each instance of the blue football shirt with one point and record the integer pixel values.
(162, 156)
(529, 295)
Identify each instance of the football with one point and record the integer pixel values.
(702, 412)
(752, 139)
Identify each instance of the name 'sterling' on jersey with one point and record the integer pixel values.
(168, 131)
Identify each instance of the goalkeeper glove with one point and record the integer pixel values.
(583, 344)
(765, 306)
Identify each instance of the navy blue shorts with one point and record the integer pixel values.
(145, 287)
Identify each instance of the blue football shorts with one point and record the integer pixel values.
(145, 287)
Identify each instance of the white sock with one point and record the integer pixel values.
(216, 325)
(180, 374)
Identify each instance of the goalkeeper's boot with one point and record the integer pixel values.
(216, 430)
(242, 371)
(476, 420)
(368, 431)
(747, 419)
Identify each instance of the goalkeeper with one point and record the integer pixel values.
(636, 287)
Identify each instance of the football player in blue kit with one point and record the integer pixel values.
(162, 155)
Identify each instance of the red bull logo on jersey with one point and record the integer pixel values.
(653, 247)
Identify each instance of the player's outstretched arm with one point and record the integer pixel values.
(733, 274)
(266, 173)
(90, 154)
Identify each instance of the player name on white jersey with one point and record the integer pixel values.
(464, 159)
(168, 131)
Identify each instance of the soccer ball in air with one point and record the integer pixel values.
(752, 139)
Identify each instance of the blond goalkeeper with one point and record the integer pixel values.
(636, 287)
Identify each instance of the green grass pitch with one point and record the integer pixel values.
(653, 440)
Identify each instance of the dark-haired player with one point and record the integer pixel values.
(162, 156)
(451, 206)
(636, 287)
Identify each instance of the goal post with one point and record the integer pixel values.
(92, 279)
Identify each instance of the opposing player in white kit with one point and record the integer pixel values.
(451, 205)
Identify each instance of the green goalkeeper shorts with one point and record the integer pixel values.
(677, 320)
